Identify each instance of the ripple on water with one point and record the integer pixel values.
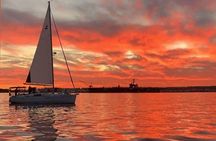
(11, 127)
(212, 124)
(202, 132)
(147, 139)
(62, 139)
(186, 138)
(129, 132)
(91, 137)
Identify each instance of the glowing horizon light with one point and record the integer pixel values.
(177, 45)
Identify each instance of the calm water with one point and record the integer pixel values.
(146, 117)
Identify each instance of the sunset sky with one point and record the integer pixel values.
(111, 42)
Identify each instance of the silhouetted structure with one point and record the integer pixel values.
(133, 85)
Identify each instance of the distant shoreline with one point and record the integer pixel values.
(3, 90)
(138, 89)
(148, 89)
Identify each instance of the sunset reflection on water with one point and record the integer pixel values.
(189, 116)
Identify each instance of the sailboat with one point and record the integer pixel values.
(41, 73)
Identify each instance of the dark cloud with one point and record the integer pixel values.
(110, 18)
(200, 12)
(205, 18)
(106, 28)
(11, 16)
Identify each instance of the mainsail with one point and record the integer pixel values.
(41, 71)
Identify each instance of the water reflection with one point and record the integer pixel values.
(41, 121)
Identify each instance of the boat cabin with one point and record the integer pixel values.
(13, 91)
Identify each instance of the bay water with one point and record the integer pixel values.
(118, 117)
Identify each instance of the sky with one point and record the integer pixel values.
(109, 43)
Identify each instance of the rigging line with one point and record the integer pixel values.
(63, 51)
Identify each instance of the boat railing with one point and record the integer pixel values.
(13, 91)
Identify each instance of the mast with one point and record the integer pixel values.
(50, 25)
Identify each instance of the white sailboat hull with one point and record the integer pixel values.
(43, 99)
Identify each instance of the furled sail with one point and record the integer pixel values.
(41, 71)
